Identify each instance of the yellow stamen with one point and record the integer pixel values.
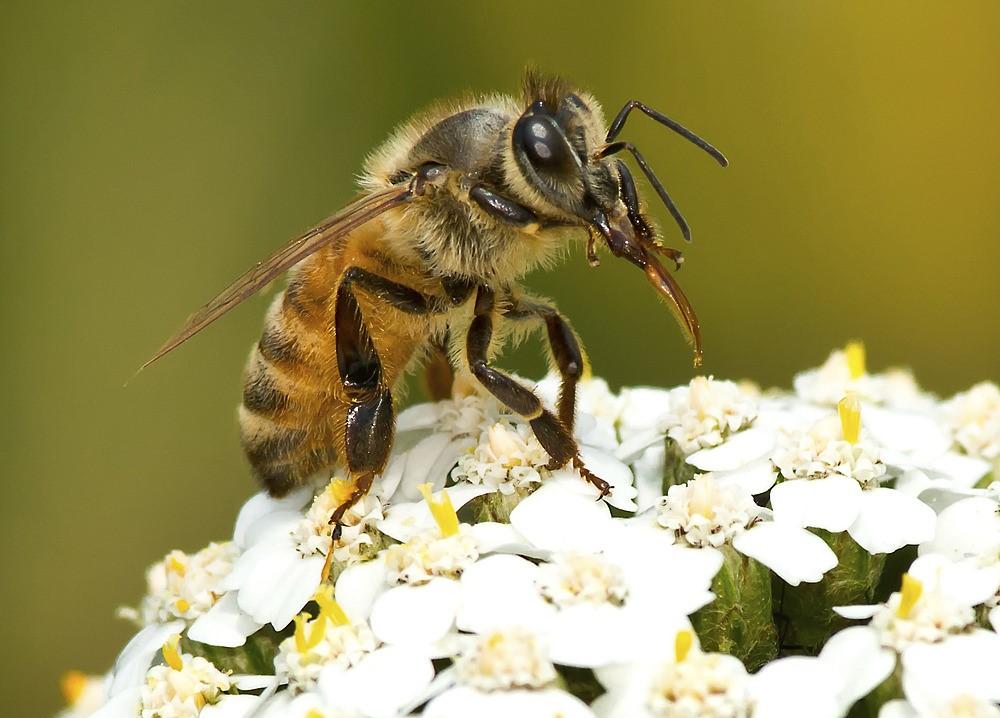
(306, 641)
(855, 352)
(909, 595)
(494, 640)
(182, 605)
(682, 645)
(172, 653)
(313, 713)
(442, 511)
(72, 685)
(850, 417)
(175, 565)
(329, 608)
(199, 701)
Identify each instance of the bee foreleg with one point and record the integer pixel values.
(566, 351)
(552, 434)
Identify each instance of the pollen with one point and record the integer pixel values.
(340, 490)
(182, 605)
(909, 595)
(175, 565)
(329, 608)
(172, 653)
(850, 417)
(855, 352)
(682, 645)
(313, 713)
(72, 685)
(442, 511)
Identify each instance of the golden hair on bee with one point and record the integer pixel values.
(424, 268)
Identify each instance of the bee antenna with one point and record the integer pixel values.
(619, 122)
(615, 147)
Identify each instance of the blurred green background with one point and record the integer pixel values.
(149, 152)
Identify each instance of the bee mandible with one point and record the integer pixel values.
(423, 268)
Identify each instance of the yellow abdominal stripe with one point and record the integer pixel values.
(849, 409)
(442, 510)
(855, 352)
(910, 593)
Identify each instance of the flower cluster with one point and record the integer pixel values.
(761, 554)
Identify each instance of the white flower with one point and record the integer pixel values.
(288, 549)
(704, 513)
(181, 687)
(410, 590)
(597, 599)
(184, 586)
(507, 458)
(706, 411)
(844, 372)
(959, 706)
(505, 673)
(686, 682)
(933, 608)
(331, 639)
(956, 678)
(833, 484)
(84, 694)
(974, 415)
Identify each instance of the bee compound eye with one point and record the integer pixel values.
(544, 144)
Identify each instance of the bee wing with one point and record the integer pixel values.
(330, 230)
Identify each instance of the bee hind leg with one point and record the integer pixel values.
(552, 434)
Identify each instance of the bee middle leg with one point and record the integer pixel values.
(552, 434)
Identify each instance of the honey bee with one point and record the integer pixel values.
(423, 268)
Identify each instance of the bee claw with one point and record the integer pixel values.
(603, 487)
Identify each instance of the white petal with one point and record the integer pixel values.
(559, 518)
(388, 482)
(635, 445)
(416, 615)
(857, 613)
(359, 585)
(794, 687)
(791, 552)
(224, 624)
(643, 407)
(495, 537)
(613, 471)
(756, 477)
(269, 530)
(421, 460)
(499, 591)
(897, 708)
(252, 682)
(464, 702)
(965, 528)
(966, 581)
(231, 707)
(858, 658)
(261, 505)
(832, 503)
(124, 704)
(418, 416)
(933, 674)
(382, 683)
(890, 519)
(588, 635)
(278, 583)
(965, 471)
(736, 451)
(906, 437)
(134, 660)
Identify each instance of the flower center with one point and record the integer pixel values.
(709, 685)
(503, 660)
(184, 586)
(329, 639)
(974, 416)
(706, 411)
(445, 551)
(312, 534)
(916, 615)
(573, 578)
(508, 457)
(183, 686)
(831, 447)
(705, 513)
(966, 706)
